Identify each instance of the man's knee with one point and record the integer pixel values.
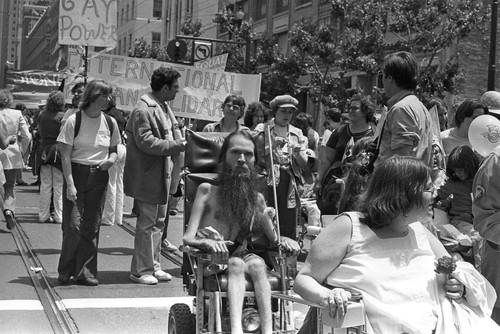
(235, 266)
(256, 267)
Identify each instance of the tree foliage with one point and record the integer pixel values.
(357, 37)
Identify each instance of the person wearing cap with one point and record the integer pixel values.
(459, 134)
(233, 109)
(289, 158)
(406, 128)
(362, 116)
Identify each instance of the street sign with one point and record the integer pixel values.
(202, 50)
(176, 49)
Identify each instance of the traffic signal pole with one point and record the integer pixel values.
(246, 44)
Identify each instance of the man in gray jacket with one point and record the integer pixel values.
(150, 146)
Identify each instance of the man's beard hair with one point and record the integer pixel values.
(237, 195)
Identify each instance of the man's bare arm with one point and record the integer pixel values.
(197, 212)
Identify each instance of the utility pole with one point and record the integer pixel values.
(493, 45)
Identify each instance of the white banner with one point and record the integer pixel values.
(215, 63)
(85, 22)
(201, 94)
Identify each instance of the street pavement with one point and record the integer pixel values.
(115, 306)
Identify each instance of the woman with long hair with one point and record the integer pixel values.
(362, 120)
(88, 143)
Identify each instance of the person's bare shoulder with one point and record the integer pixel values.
(206, 193)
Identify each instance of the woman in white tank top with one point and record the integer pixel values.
(387, 255)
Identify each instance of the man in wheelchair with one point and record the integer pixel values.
(231, 220)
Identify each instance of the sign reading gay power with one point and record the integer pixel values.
(87, 22)
(201, 91)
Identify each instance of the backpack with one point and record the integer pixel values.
(78, 123)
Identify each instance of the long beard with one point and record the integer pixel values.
(237, 195)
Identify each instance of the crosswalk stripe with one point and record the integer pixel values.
(20, 305)
(160, 302)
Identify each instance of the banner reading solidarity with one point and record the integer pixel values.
(202, 91)
(88, 22)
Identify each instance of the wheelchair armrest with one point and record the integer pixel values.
(275, 252)
(355, 315)
(201, 254)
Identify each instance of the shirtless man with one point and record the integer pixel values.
(231, 208)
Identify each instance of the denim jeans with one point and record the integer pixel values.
(81, 222)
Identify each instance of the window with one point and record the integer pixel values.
(132, 11)
(130, 41)
(119, 46)
(155, 39)
(260, 9)
(121, 21)
(157, 8)
(126, 15)
(281, 6)
(125, 45)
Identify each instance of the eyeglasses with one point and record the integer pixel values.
(433, 190)
(232, 107)
(106, 96)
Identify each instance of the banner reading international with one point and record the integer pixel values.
(88, 22)
(202, 91)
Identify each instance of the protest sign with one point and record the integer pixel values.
(202, 91)
(32, 86)
(90, 22)
(215, 63)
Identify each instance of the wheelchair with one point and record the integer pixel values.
(210, 312)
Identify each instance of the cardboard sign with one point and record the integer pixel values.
(215, 63)
(202, 91)
(88, 22)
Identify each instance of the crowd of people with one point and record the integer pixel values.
(382, 174)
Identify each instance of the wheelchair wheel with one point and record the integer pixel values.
(180, 320)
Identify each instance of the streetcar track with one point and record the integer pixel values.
(174, 257)
(58, 317)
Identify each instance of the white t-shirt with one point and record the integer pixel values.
(326, 136)
(91, 145)
(451, 140)
(69, 112)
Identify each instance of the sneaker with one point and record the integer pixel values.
(144, 279)
(9, 218)
(107, 224)
(162, 276)
(88, 281)
(21, 183)
(168, 246)
(48, 221)
(173, 212)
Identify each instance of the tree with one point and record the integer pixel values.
(362, 32)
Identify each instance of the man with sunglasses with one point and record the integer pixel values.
(233, 109)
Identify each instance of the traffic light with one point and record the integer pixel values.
(176, 49)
